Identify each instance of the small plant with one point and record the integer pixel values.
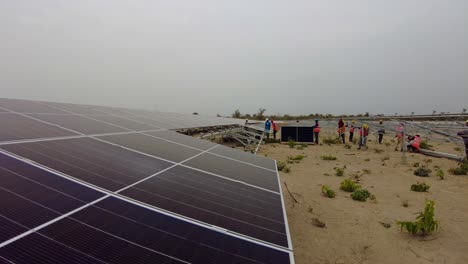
(366, 171)
(331, 140)
(405, 203)
(420, 187)
(427, 161)
(462, 169)
(327, 191)
(280, 165)
(296, 159)
(367, 160)
(425, 145)
(326, 174)
(387, 157)
(291, 143)
(373, 198)
(440, 173)
(328, 157)
(416, 164)
(339, 172)
(349, 185)
(423, 171)
(425, 223)
(287, 169)
(360, 195)
(378, 151)
(316, 222)
(347, 146)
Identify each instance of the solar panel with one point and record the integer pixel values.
(110, 194)
(24, 106)
(90, 160)
(80, 124)
(18, 127)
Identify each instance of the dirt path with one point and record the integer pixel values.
(354, 232)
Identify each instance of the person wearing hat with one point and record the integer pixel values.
(363, 133)
(267, 129)
(414, 142)
(381, 131)
(341, 130)
(464, 134)
(351, 131)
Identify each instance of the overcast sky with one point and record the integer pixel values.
(214, 56)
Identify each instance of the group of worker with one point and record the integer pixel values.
(413, 144)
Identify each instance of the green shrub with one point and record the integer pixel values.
(327, 191)
(425, 145)
(331, 140)
(360, 195)
(349, 186)
(291, 143)
(425, 223)
(339, 172)
(423, 171)
(440, 173)
(329, 157)
(280, 165)
(296, 158)
(420, 187)
(461, 170)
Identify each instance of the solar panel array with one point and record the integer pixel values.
(93, 184)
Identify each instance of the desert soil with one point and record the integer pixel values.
(354, 231)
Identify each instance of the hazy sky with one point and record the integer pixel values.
(214, 56)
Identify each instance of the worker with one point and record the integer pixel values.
(341, 130)
(464, 135)
(351, 131)
(275, 128)
(381, 131)
(246, 122)
(414, 142)
(316, 129)
(363, 133)
(400, 134)
(267, 129)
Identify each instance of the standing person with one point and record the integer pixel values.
(363, 133)
(351, 131)
(464, 135)
(246, 122)
(341, 130)
(381, 131)
(400, 136)
(275, 128)
(267, 129)
(316, 128)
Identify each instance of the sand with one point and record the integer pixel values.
(354, 232)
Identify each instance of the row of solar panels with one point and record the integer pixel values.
(136, 196)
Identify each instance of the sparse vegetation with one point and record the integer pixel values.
(378, 151)
(423, 171)
(349, 185)
(291, 143)
(462, 169)
(326, 191)
(405, 203)
(328, 157)
(416, 164)
(339, 172)
(360, 195)
(440, 173)
(387, 157)
(420, 187)
(457, 149)
(347, 146)
(296, 159)
(316, 222)
(280, 165)
(425, 145)
(367, 160)
(287, 169)
(331, 140)
(425, 223)
(366, 171)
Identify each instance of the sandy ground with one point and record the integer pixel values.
(353, 232)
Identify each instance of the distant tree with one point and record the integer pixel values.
(218, 115)
(434, 112)
(412, 113)
(366, 114)
(236, 114)
(260, 113)
(396, 114)
(464, 110)
(194, 113)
